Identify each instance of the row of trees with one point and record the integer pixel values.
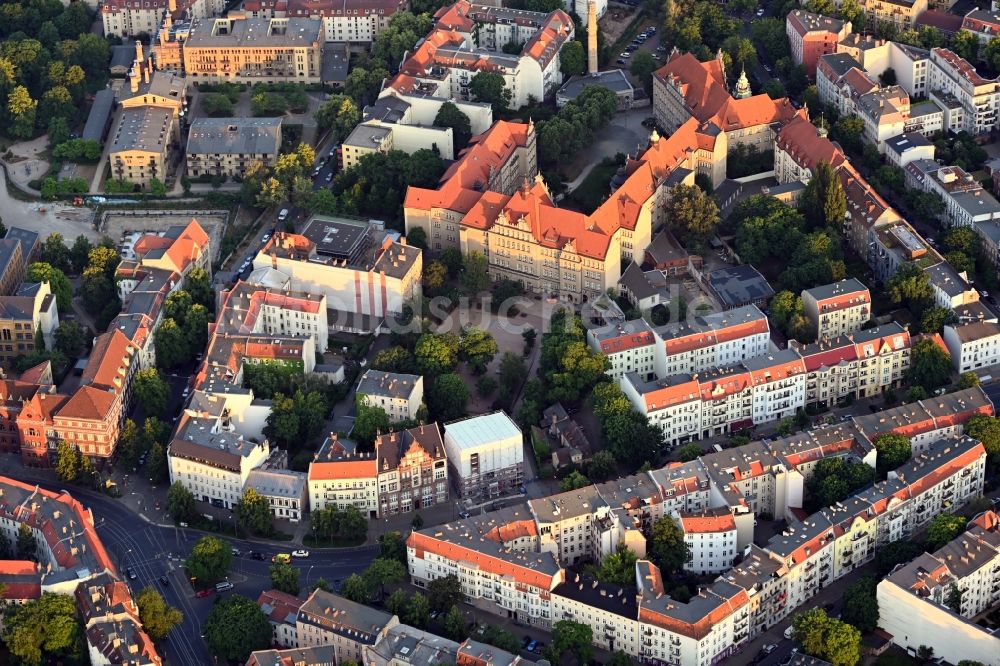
(573, 128)
(288, 180)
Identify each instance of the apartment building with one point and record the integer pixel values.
(284, 490)
(927, 421)
(124, 19)
(208, 455)
(989, 236)
(837, 309)
(629, 347)
(281, 610)
(951, 289)
(644, 289)
(328, 619)
(973, 345)
(417, 102)
(412, 470)
(111, 624)
(253, 50)
(711, 540)
(375, 136)
(320, 655)
(899, 13)
(813, 35)
(967, 203)
(226, 147)
(983, 23)
(13, 266)
(486, 456)
(398, 395)
(685, 88)
(468, 37)
(143, 145)
(917, 604)
(884, 113)
(908, 147)
(857, 365)
(404, 645)
(363, 273)
(23, 317)
(954, 81)
(341, 476)
(354, 21)
(611, 611)
(710, 341)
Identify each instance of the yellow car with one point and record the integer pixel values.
(283, 558)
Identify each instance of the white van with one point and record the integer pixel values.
(223, 586)
(283, 215)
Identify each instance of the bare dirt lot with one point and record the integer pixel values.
(117, 223)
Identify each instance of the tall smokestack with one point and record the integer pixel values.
(592, 37)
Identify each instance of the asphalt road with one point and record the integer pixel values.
(152, 551)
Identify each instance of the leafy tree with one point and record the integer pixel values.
(825, 638)
(895, 553)
(601, 466)
(688, 452)
(417, 237)
(930, 366)
(67, 461)
(573, 481)
(394, 359)
(476, 347)
(642, 67)
(571, 637)
(954, 598)
(823, 202)
(860, 604)
(449, 115)
(475, 272)
(180, 502)
(944, 528)
(151, 390)
(448, 397)
(909, 285)
(667, 548)
(382, 572)
(620, 658)
(285, 577)
(986, 429)
(340, 114)
(486, 386)
(444, 592)
(568, 365)
(70, 338)
(368, 422)
(321, 584)
(572, 58)
(692, 215)
(22, 109)
(209, 561)
(966, 44)
(893, 450)
(43, 629)
(452, 259)
(216, 105)
(834, 479)
(58, 283)
(156, 464)
(435, 354)
(344, 525)
(171, 345)
(254, 512)
(392, 546)
(157, 616)
(489, 87)
(417, 613)
(235, 627)
(618, 567)
(935, 318)
(501, 638)
(26, 545)
(455, 626)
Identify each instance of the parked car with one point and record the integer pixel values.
(300, 553)
(164, 581)
(236, 552)
(283, 215)
(224, 586)
(789, 632)
(283, 558)
(769, 648)
(530, 647)
(130, 572)
(258, 556)
(201, 594)
(620, 61)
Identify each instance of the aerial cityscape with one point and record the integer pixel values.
(500, 332)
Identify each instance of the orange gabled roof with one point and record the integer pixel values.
(711, 521)
(343, 469)
(422, 543)
(109, 361)
(87, 403)
(668, 396)
(801, 140)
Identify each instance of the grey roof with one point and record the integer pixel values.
(367, 135)
(409, 645)
(665, 248)
(845, 286)
(27, 238)
(387, 384)
(977, 330)
(277, 482)
(8, 247)
(358, 622)
(143, 128)
(234, 136)
(635, 280)
(990, 229)
(475, 431)
(337, 237)
(334, 63)
(100, 114)
(943, 276)
(611, 331)
(770, 359)
(495, 656)
(977, 202)
(907, 141)
(841, 63)
(606, 596)
(923, 108)
(614, 80)
(320, 654)
(711, 322)
(739, 285)
(254, 32)
(387, 109)
(122, 55)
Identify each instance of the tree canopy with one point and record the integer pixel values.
(235, 627)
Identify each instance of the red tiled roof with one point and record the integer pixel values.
(87, 403)
(422, 543)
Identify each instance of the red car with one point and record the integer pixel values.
(201, 594)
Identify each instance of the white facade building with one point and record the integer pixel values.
(399, 395)
(485, 454)
(973, 345)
